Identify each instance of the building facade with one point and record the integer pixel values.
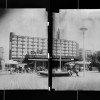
(22, 45)
(69, 51)
(68, 48)
(36, 48)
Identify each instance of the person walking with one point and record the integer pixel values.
(69, 69)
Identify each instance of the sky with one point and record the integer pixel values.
(25, 22)
(71, 20)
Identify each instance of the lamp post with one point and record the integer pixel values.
(58, 38)
(60, 53)
(83, 29)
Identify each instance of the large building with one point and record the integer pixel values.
(35, 47)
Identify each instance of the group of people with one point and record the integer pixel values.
(26, 69)
(20, 69)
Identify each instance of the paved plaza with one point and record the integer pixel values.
(22, 81)
(91, 81)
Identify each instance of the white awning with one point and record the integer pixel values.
(11, 62)
(81, 62)
(39, 59)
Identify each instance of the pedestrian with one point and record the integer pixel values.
(69, 69)
(75, 69)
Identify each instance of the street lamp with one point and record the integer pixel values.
(58, 37)
(83, 29)
(60, 53)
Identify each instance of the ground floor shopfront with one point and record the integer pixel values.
(43, 63)
(33, 64)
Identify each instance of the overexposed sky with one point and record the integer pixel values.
(71, 20)
(26, 22)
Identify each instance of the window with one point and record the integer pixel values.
(15, 39)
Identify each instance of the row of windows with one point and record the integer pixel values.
(28, 39)
(44, 50)
(24, 50)
(25, 54)
(15, 41)
(32, 46)
(29, 44)
(19, 48)
(16, 53)
(64, 48)
(26, 43)
(14, 48)
(17, 57)
(64, 51)
(64, 42)
(63, 56)
(67, 46)
(64, 45)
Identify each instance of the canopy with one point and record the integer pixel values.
(81, 62)
(22, 64)
(11, 62)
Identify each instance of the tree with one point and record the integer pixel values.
(80, 58)
(98, 60)
(0, 62)
(92, 59)
(25, 60)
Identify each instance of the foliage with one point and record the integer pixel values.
(80, 58)
(95, 60)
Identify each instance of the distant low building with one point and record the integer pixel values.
(87, 53)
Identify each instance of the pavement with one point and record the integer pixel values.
(91, 81)
(22, 81)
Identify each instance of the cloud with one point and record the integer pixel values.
(73, 20)
(26, 22)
